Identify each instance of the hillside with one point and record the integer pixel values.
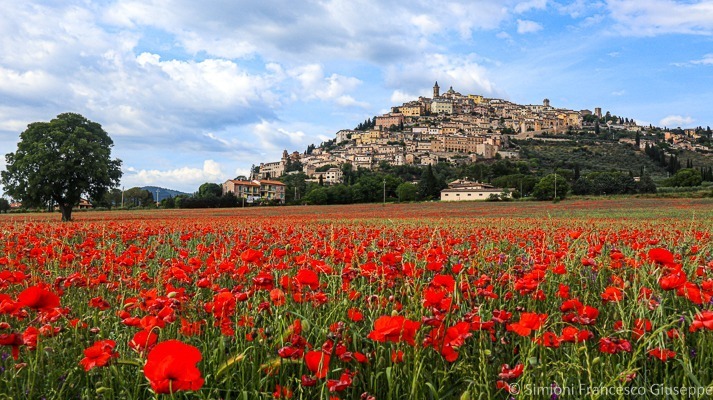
(599, 155)
(163, 193)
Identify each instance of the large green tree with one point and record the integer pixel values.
(551, 187)
(60, 161)
(210, 189)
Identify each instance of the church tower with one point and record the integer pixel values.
(436, 90)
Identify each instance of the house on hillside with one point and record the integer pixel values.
(252, 191)
(464, 190)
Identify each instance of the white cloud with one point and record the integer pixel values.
(619, 93)
(579, 8)
(706, 60)
(399, 97)
(526, 6)
(525, 26)
(274, 137)
(674, 121)
(314, 85)
(464, 73)
(655, 17)
(183, 177)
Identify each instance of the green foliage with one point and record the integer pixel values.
(209, 189)
(429, 187)
(225, 201)
(646, 185)
(111, 198)
(551, 187)
(407, 191)
(522, 183)
(137, 197)
(4, 205)
(60, 161)
(686, 177)
(296, 186)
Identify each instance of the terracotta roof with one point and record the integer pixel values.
(269, 182)
(465, 189)
(245, 183)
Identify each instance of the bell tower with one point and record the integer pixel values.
(436, 90)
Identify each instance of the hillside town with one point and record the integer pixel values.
(448, 127)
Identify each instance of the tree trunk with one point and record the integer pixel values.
(66, 210)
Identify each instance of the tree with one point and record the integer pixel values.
(60, 161)
(686, 177)
(407, 191)
(646, 185)
(549, 185)
(210, 190)
(111, 198)
(428, 185)
(137, 197)
(4, 205)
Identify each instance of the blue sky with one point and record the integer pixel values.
(195, 92)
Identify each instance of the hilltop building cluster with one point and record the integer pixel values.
(447, 127)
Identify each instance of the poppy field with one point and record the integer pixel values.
(596, 299)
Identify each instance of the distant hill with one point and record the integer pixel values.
(600, 155)
(163, 193)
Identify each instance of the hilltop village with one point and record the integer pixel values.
(448, 127)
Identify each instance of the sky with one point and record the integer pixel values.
(199, 91)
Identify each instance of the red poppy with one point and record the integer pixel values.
(641, 326)
(171, 366)
(318, 363)
(507, 373)
(99, 302)
(355, 315)
(613, 294)
(548, 339)
(38, 298)
(673, 280)
(99, 354)
(143, 340)
(571, 334)
(307, 277)
(344, 381)
(614, 345)
(397, 356)
(662, 354)
(528, 323)
(660, 256)
(14, 340)
(394, 329)
(702, 320)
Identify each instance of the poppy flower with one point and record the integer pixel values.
(171, 366)
(99, 354)
(355, 315)
(570, 334)
(318, 363)
(614, 345)
(344, 381)
(14, 340)
(660, 255)
(394, 329)
(507, 373)
(38, 298)
(662, 354)
(673, 280)
(528, 323)
(143, 340)
(612, 294)
(702, 320)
